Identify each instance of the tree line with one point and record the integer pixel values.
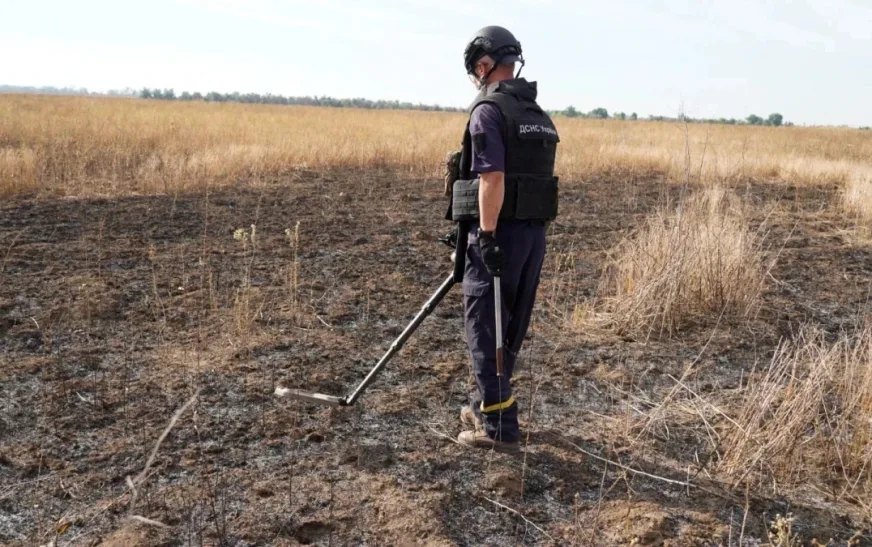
(269, 98)
(775, 119)
(52, 90)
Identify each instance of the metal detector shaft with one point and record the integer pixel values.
(459, 255)
(426, 310)
(498, 314)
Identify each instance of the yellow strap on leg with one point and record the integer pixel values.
(499, 406)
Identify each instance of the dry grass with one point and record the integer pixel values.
(857, 197)
(246, 305)
(78, 145)
(112, 146)
(806, 418)
(713, 152)
(699, 261)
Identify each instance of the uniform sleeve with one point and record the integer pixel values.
(488, 147)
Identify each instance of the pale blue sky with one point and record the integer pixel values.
(810, 60)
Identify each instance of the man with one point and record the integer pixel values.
(505, 194)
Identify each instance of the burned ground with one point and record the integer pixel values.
(115, 312)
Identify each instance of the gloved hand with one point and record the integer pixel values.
(491, 253)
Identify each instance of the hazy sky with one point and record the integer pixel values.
(809, 60)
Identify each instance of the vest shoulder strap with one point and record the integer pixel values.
(506, 104)
(466, 154)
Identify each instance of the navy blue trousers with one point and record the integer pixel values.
(524, 245)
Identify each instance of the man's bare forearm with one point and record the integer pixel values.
(491, 191)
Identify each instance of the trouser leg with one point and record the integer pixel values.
(494, 403)
(525, 297)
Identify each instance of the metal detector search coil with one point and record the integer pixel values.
(318, 398)
(329, 400)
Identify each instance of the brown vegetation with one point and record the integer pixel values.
(76, 145)
(857, 197)
(698, 262)
(808, 416)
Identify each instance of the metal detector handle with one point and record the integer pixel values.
(498, 314)
(426, 310)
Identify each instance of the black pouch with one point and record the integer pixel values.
(526, 197)
(537, 197)
(464, 201)
(464, 204)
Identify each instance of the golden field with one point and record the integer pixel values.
(101, 146)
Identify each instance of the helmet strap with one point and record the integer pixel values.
(482, 82)
(521, 59)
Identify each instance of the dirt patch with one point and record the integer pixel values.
(114, 312)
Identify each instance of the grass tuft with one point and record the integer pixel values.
(697, 262)
(806, 417)
(857, 196)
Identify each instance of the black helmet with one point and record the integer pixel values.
(495, 42)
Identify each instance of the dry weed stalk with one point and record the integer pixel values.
(294, 273)
(696, 262)
(158, 309)
(245, 309)
(808, 417)
(781, 532)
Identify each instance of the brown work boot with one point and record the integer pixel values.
(468, 417)
(480, 439)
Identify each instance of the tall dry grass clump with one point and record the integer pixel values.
(113, 146)
(808, 417)
(697, 262)
(857, 195)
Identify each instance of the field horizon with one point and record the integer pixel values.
(117, 146)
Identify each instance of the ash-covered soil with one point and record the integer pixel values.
(115, 312)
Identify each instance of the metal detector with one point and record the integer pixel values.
(458, 241)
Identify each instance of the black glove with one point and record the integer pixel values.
(491, 253)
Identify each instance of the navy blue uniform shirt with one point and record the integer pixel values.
(488, 146)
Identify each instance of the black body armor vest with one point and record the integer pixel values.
(531, 146)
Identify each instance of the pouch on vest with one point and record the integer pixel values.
(452, 170)
(536, 197)
(464, 200)
(526, 197)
